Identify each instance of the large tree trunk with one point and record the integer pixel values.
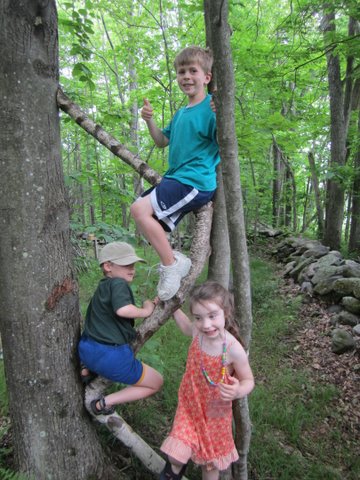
(354, 239)
(217, 15)
(53, 437)
(335, 190)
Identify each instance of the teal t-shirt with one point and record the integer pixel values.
(101, 322)
(193, 148)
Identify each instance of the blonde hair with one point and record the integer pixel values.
(203, 56)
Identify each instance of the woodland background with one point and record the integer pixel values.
(296, 68)
(297, 87)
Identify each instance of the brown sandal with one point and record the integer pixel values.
(103, 410)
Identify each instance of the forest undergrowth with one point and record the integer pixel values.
(304, 409)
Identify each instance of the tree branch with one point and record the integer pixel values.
(122, 431)
(115, 147)
(199, 252)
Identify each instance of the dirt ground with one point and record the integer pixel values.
(313, 353)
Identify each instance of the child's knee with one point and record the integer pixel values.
(159, 382)
(134, 210)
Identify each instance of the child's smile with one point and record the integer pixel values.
(192, 80)
(209, 319)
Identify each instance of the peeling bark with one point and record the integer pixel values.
(200, 250)
(115, 147)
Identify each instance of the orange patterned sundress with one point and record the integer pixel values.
(202, 428)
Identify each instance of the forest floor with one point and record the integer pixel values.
(313, 354)
(310, 351)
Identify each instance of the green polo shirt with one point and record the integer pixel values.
(101, 323)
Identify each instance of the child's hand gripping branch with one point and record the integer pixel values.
(217, 372)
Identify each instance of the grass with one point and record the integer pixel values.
(287, 407)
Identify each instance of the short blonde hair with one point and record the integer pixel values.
(191, 54)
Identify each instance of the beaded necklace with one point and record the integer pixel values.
(223, 364)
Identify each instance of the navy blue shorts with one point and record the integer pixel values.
(114, 362)
(172, 200)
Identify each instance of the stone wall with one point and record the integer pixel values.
(326, 274)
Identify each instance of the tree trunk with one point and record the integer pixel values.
(335, 189)
(53, 437)
(217, 14)
(354, 239)
(315, 182)
(278, 173)
(219, 261)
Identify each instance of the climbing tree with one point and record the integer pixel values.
(52, 435)
(38, 290)
(218, 31)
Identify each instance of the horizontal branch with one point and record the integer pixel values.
(122, 430)
(115, 147)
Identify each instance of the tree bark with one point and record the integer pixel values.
(354, 238)
(219, 261)
(335, 189)
(220, 43)
(53, 437)
(278, 181)
(315, 182)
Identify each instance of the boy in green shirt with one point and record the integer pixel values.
(104, 347)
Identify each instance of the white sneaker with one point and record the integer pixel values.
(170, 276)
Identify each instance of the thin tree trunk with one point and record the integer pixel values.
(306, 203)
(315, 182)
(278, 168)
(115, 147)
(219, 262)
(220, 43)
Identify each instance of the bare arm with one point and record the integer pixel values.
(155, 132)
(242, 383)
(183, 322)
(132, 311)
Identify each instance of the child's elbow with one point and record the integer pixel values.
(162, 142)
(251, 385)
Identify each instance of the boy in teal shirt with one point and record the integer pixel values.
(190, 181)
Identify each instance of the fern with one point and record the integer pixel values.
(6, 474)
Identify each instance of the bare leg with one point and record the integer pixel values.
(150, 384)
(210, 474)
(173, 468)
(176, 466)
(142, 212)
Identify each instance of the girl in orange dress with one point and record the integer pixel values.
(217, 372)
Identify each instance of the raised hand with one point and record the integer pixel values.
(147, 111)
